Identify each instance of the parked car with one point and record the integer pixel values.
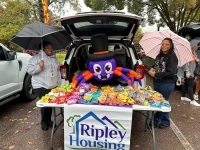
(14, 79)
(141, 53)
(192, 30)
(120, 28)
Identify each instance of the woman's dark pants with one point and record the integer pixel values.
(165, 89)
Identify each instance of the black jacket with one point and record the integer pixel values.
(166, 67)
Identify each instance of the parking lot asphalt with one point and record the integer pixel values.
(20, 128)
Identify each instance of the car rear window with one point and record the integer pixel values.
(111, 26)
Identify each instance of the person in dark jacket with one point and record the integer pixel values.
(163, 73)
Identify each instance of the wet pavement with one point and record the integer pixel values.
(20, 128)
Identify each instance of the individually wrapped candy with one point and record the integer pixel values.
(155, 104)
(125, 92)
(103, 98)
(146, 103)
(132, 94)
(157, 97)
(118, 88)
(112, 98)
(83, 101)
(107, 89)
(53, 100)
(87, 96)
(61, 100)
(140, 98)
(85, 86)
(166, 103)
(45, 99)
(73, 99)
(130, 101)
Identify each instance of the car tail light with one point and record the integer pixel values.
(63, 71)
(140, 69)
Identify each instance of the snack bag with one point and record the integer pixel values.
(45, 99)
(61, 100)
(102, 98)
(118, 88)
(95, 97)
(53, 100)
(132, 94)
(87, 96)
(155, 104)
(140, 98)
(146, 103)
(112, 98)
(157, 97)
(166, 103)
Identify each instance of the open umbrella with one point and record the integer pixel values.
(32, 35)
(151, 43)
(194, 41)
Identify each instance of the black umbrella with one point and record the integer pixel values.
(193, 30)
(32, 35)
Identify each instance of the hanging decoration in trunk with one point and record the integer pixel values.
(102, 65)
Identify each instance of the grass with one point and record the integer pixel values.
(60, 57)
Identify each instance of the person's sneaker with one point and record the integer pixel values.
(194, 103)
(44, 125)
(196, 97)
(185, 99)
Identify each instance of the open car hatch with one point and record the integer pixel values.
(116, 25)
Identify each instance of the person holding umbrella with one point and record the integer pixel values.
(45, 70)
(163, 72)
(189, 78)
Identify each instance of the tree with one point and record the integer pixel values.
(14, 15)
(138, 36)
(59, 5)
(173, 13)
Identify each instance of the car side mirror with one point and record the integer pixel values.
(11, 55)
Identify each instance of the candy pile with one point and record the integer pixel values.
(89, 94)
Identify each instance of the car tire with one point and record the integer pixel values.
(27, 93)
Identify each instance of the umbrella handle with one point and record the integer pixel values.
(42, 55)
(42, 49)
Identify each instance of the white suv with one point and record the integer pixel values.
(13, 77)
(120, 29)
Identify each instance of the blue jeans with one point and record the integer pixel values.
(165, 89)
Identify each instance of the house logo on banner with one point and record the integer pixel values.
(102, 134)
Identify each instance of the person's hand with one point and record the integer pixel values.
(188, 75)
(196, 59)
(41, 64)
(152, 72)
(152, 69)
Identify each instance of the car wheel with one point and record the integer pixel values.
(28, 93)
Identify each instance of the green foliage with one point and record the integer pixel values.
(173, 13)
(14, 15)
(138, 36)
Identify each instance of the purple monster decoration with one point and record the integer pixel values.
(102, 65)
